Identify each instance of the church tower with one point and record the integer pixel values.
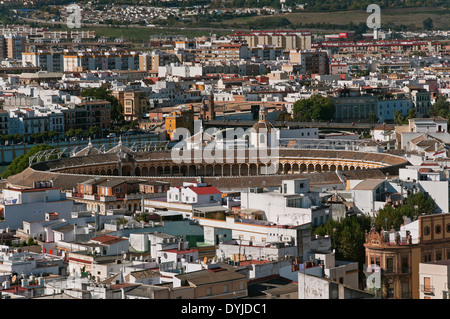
(207, 112)
(211, 113)
(263, 133)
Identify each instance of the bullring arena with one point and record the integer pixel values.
(321, 166)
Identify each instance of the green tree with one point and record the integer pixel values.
(93, 131)
(103, 93)
(400, 119)
(413, 206)
(441, 107)
(347, 238)
(428, 24)
(70, 133)
(52, 134)
(284, 116)
(372, 117)
(79, 133)
(317, 107)
(17, 137)
(21, 162)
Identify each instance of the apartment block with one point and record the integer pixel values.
(287, 40)
(134, 103)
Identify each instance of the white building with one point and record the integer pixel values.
(28, 263)
(434, 280)
(177, 257)
(428, 125)
(294, 204)
(153, 242)
(429, 179)
(18, 205)
(263, 134)
(384, 133)
(194, 195)
(369, 195)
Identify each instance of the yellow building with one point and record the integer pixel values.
(134, 103)
(183, 118)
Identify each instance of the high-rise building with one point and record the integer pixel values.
(15, 45)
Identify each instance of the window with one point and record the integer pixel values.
(426, 230)
(262, 138)
(404, 264)
(437, 229)
(426, 284)
(225, 288)
(208, 291)
(389, 264)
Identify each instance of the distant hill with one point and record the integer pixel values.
(338, 5)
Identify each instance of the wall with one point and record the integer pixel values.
(439, 191)
(267, 269)
(439, 275)
(16, 214)
(274, 206)
(254, 252)
(347, 271)
(311, 287)
(139, 242)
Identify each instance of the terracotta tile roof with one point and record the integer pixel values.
(108, 239)
(205, 190)
(206, 277)
(369, 184)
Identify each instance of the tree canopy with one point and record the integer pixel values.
(317, 107)
(21, 162)
(441, 107)
(103, 93)
(400, 119)
(413, 206)
(347, 237)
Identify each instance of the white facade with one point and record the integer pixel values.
(178, 257)
(28, 263)
(292, 205)
(31, 205)
(194, 195)
(434, 280)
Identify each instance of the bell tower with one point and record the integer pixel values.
(211, 113)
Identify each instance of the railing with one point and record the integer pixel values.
(427, 289)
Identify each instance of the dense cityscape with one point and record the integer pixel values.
(143, 159)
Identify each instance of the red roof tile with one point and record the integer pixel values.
(205, 190)
(108, 239)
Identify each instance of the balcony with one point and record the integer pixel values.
(426, 289)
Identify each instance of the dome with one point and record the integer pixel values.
(263, 126)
